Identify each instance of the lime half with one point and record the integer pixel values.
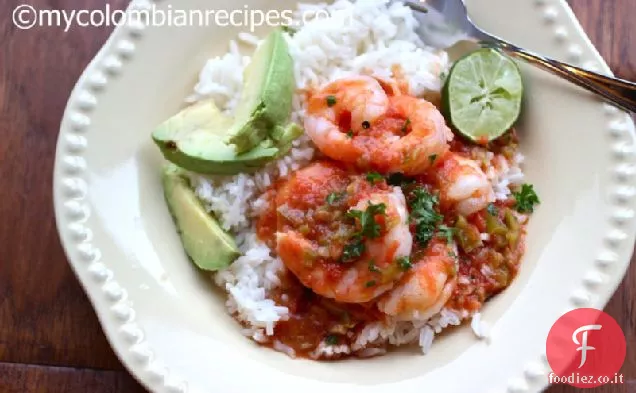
(482, 95)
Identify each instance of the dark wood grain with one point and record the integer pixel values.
(50, 340)
(44, 315)
(609, 24)
(21, 378)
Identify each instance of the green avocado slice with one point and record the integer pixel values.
(202, 139)
(205, 242)
(194, 140)
(266, 99)
(284, 136)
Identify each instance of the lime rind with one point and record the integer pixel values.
(483, 94)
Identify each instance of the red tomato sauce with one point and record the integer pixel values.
(485, 270)
(313, 318)
(482, 275)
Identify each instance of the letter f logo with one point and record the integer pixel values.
(583, 344)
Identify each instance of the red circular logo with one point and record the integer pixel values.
(585, 349)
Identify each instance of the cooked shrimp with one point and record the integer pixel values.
(354, 121)
(424, 289)
(345, 103)
(326, 242)
(463, 185)
(428, 137)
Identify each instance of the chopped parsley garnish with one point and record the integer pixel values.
(331, 339)
(368, 227)
(353, 250)
(350, 134)
(452, 254)
(398, 179)
(289, 30)
(447, 232)
(492, 209)
(406, 125)
(335, 197)
(424, 215)
(372, 177)
(373, 268)
(432, 158)
(331, 101)
(370, 284)
(404, 263)
(525, 199)
(366, 125)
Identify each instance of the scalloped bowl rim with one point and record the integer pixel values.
(123, 312)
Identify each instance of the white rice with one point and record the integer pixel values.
(374, 37)
(221, 79)
(480, 328)
(286, 349)
(504, 174)
(325, 350)
(407, 332)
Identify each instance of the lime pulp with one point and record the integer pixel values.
(482, 95)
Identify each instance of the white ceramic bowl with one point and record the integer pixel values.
(168, 324)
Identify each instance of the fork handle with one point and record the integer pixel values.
(620, 92)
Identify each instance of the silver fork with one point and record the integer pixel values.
(446, 22)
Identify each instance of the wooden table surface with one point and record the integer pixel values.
(50, 340)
